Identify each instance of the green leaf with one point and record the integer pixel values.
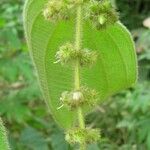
(58, 141)
(33, 139)
(13, 107)
(13, 38)
(93, 147)
(8, 70)
(3, 137)
(116, 68)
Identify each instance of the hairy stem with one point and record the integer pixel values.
(81, 118)
(78, 37)
(78, 41)
(77, 75)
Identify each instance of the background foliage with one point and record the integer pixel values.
(124, 119)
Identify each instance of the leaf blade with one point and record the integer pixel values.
(108, 76)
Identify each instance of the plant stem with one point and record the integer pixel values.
(81, 118)
(78, 41)
(77, 75)
(78, 37)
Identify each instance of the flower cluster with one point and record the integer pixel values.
(78, 135)
(82, 97)
(55, 10)
(101, 13)
(60, 9)
(67, 54)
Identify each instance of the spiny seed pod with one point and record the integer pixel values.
(78, 135)
(82, 97)
(67, 54)
(72, 100)
(55, 10)
(101, 13)
(60, 9)
(88, 57)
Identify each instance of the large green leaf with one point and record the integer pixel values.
(115, 69)
(3, 137)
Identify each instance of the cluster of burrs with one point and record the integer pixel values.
(101, 13)
(83, 97)
(68, 54)
(80, 98)
(60, 9)
(78, 135)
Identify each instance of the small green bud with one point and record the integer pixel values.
(102, 19)
(82, 97)
(80, 136)
(77, 96)
(67, 54)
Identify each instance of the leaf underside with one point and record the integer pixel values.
(116, 67)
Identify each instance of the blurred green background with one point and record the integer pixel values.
(124, 119)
